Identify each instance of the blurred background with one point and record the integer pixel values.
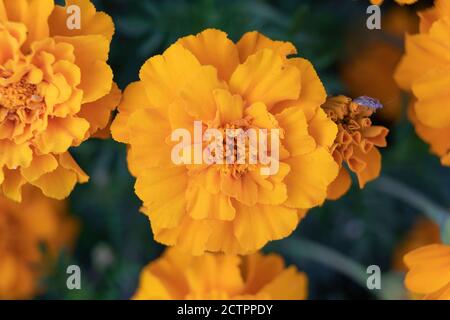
(367, 226)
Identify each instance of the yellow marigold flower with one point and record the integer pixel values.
(24, 228)
(356, 142)
(402, 2)
(370, 70)
(56, 90)
(429, 271)
(424, 232)
(180, 276)
(423, 71)
(252, 84)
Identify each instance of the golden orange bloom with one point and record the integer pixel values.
(356, 142)
(25, 229)
(402, 2)
(249, 85)
(56, 90)
(370, 70)
(180, 276)
(429, 271)
(424, 232)
(423, 71)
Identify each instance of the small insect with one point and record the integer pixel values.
(368, 102)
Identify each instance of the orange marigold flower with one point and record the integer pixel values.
(248, 85)
(24, 228)
(56, 90)
(356, 142)
(180, 276)
(429, 271)
(424, 71)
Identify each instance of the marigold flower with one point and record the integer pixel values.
(429, 271)
(24, 229)
(423, 71)
(56, 91)
(251, 84)
(356, 142)
(180, 276)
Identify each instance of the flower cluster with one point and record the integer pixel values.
(24, 229)
(423, 71)
(230, 208)
(180, 276)
(356, 142)
(56, 91)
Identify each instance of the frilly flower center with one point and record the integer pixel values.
(20, 105)
(239, 148)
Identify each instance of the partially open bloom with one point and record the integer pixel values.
(206, 78)
(424, 71)
(429, 271)
(180, 276)
(32, 234)
(56, 90)
(356, 142)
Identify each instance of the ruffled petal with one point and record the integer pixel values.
(212, 47)
(256, 225)
(310, 176)
(92, 22)
(252, 42)
(163, 191)
(266, 77)
(98, 113)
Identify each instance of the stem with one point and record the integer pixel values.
(299, 248)
(419, 201)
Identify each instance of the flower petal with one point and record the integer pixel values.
(98, 113)
(309, 178)
(61, 134)
(266, 77)
(212, 47)
(429, 268)
(252, 42)
(256, 225)
(92, 22)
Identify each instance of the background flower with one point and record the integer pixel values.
(32, 234)
(177, 276)
(56, 90)
(423, 72)
(248, 85)
(368, 68)
(429, 271)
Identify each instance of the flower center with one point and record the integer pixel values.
(19, 95)
(20, 107)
